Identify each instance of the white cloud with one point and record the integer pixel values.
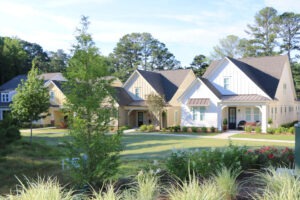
(64, 3)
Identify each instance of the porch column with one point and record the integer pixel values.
(263, 110)
(219, 117)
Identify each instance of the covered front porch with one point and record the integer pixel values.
(235, 113)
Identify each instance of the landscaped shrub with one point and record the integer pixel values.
(291, 130)
(270, 130)
(143, 127)
(194, 129)
(184, 129)
(248, 129)
(203, 129)
(150, 127)
(258, 129)
(291, 124)
(212, 129)
(206, 162)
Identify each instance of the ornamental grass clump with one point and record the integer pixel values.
(192, 189)
(109, 194)
(226, 182)
(277, 186)
(46, 189)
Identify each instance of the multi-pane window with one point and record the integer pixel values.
(256, 114)
(4, 97)
(51, 95)
(198, 113)
(248, 114)
(137, 92)
(226, 83)
(176, 117)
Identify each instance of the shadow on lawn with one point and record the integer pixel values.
(53, 141)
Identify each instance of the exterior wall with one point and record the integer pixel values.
(59, 97)
(122, 115)
(199, 90)
(137, 81)
(239, 82)
(182, 88)
(172, 120)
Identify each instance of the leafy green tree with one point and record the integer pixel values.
(58, 61)
(289, 32)
(31, 101)
(264, 32)
(228, 46)
(155, 104)
(296, 77)
(199, 65)
(90, 109)
(140, 50)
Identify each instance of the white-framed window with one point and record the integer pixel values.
(256, 114)
(198, 113)
(176, 116)
(4, 97)
(226, 82)
(137, 92)
(52, 95)
(248, 114)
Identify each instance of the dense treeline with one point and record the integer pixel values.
(17, 57)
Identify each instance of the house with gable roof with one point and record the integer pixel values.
(53, 82)
(131, 97)
(250, 89)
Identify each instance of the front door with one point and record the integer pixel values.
(140, 118)
(232, 117)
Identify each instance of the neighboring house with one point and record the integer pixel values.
(53, 82)
(250, 89)
(131, 98)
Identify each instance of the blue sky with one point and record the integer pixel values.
(187, 27)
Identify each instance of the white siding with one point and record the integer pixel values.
(137, 81)
(199, 90)
(239, 82)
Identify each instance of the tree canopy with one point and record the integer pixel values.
(141, 51)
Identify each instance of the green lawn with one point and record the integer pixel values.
(265, 136)
(44, 157)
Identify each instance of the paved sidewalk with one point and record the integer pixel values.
(222, 136)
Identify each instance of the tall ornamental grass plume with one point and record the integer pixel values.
(109, 194)
(277, 186)
(147, 188)
(40, 189)
(192, 189)
(226, 182)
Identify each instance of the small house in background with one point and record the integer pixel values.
(249, 90)
(53, 82)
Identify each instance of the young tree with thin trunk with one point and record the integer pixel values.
(155, 104)
(91, 109)
(31, 101)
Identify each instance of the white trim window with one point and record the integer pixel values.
(137, 92)
(248, 114)
(52, 95)
(226, 83)
(256, 114)
(4, 97)
(198, 113)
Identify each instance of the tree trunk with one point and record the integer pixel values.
(30, 132)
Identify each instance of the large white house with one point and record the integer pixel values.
(249, 89)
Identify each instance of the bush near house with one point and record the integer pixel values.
(212, 129)
(184, 129)
(288, 125)
(194, 129)
(206, 162)
(203, 129)
(248, 129)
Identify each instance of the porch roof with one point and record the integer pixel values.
(244, 98)
(138, 103)
(198, 102)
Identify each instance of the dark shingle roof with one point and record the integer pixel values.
(211, 87)
(165, 82)
(13, 83)
(121, 96)
(264, 81)
(264, 71)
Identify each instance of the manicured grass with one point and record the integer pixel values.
(44, 157)
(265, 136)
(159, 147)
